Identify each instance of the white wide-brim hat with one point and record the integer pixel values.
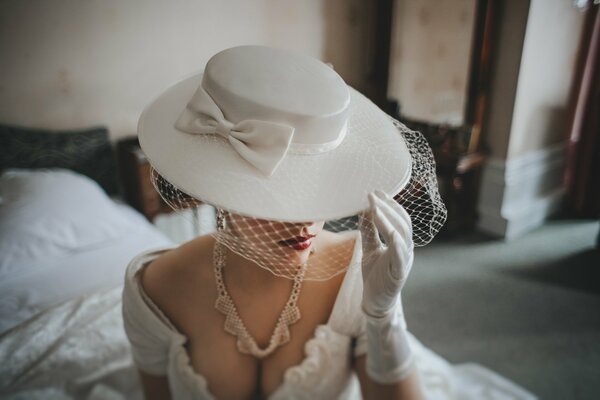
(334, 146)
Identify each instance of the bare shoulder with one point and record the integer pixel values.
(178, 272)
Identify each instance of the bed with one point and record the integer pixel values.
(65, 241)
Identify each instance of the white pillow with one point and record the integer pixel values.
(45, 213)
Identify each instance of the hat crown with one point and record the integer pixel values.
(263, 83)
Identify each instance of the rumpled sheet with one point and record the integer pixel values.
(77, 350)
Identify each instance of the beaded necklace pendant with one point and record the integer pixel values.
(234, 324)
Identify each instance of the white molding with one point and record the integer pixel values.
(519, 194)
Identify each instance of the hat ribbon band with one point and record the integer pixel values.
(263, 144)
(318, 148)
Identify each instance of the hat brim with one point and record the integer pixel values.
(332, 185)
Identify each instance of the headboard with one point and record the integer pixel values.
(87, 151)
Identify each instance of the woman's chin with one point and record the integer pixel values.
(297, 257)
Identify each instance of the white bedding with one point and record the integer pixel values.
(77, 350)
(42, 284)
(64, 248)
(61, 237)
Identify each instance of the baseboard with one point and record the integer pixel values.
(519, 194)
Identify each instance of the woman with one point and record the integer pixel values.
(181, 283)
(274, 304)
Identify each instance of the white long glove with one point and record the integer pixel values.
(385, 269)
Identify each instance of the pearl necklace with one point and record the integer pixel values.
(236, 327)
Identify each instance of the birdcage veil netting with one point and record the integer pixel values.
(319, 250)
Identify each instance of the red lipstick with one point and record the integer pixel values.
(298, 243)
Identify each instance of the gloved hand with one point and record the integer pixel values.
(385, 268)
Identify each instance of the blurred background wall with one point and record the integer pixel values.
(526, 127)
(73, 63)
(429, 67)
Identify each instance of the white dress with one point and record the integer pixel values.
(325, 373)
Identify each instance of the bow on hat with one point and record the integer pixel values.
(263, 144)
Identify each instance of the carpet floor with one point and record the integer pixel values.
(528, 309)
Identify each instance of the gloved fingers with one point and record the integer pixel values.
(383, 224)
(397, 213)
(401, 253)
(398, 237)
(397, 216)
(369, 236)
(401, 257)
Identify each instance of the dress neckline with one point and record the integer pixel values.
(179, 339)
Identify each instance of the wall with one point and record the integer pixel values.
(553, 31)
(75, 63)
(429, 60)
(526, 125)
(508, 48)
